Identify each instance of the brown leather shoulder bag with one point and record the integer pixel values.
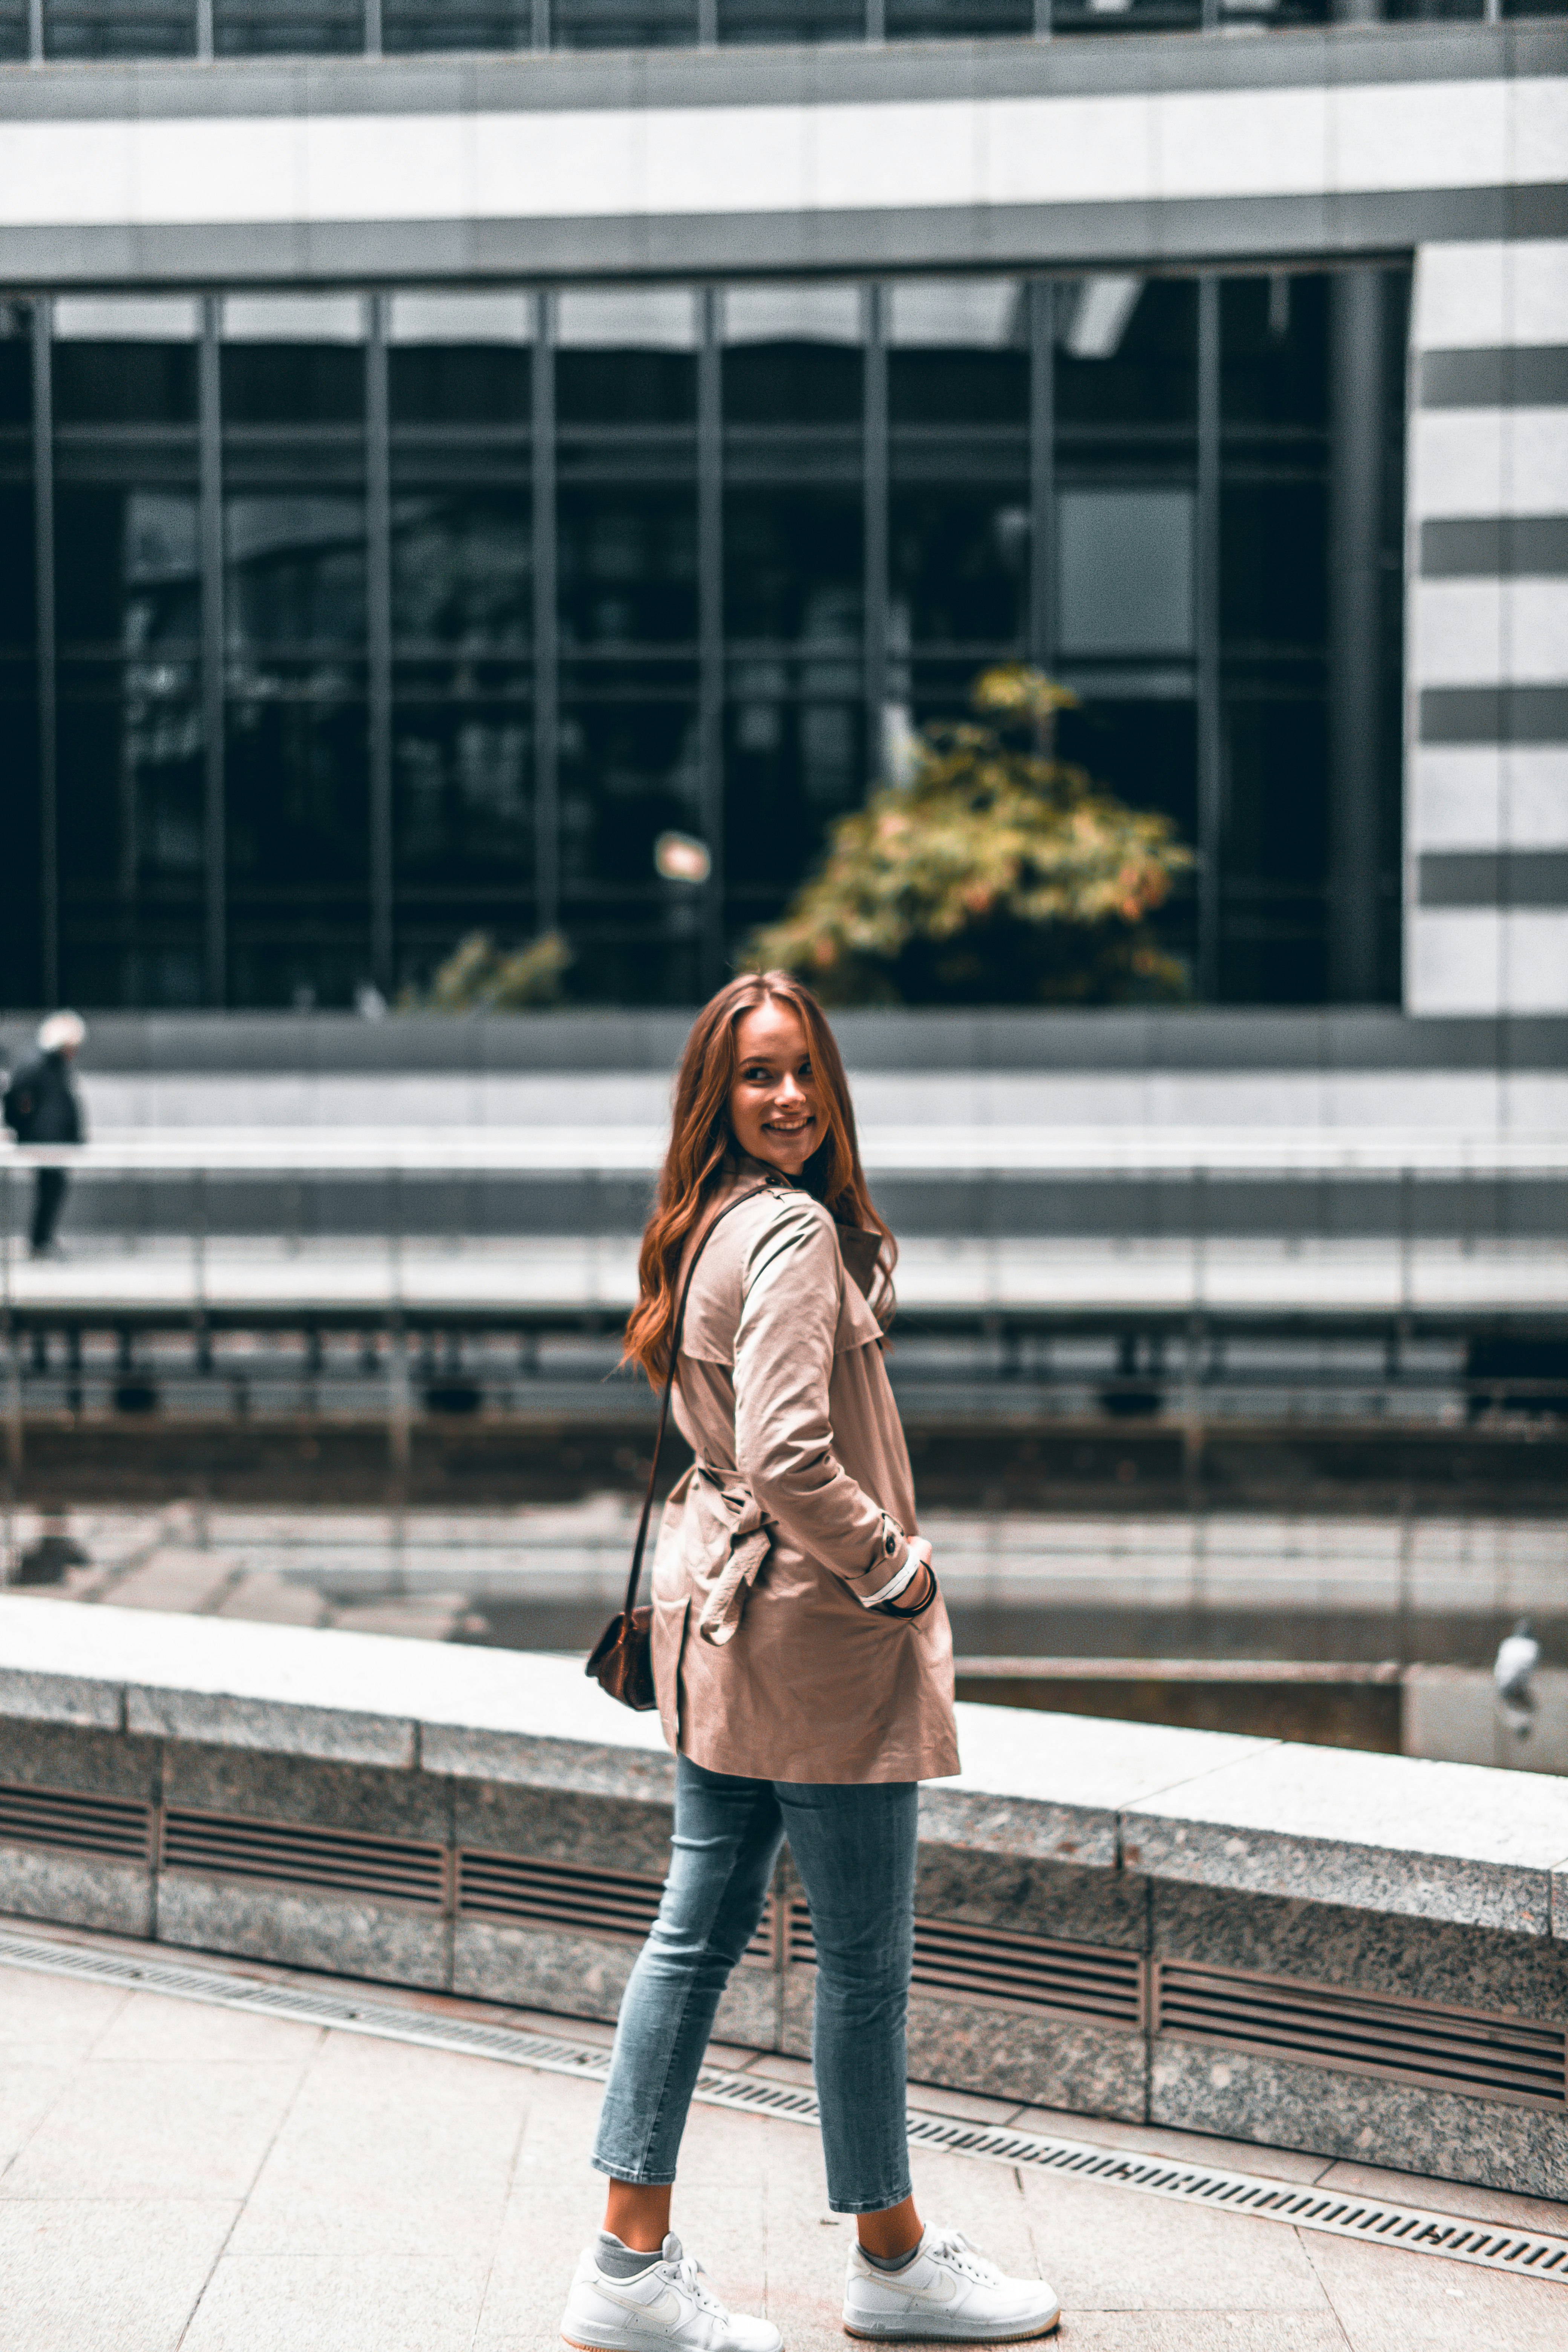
(620, 1661)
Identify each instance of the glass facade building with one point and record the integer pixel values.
(356, 621)
(225, 28)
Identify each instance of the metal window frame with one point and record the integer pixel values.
(1352, 884)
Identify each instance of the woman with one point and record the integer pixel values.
(804, 1668)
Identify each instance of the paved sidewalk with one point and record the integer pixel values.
(175, 2177)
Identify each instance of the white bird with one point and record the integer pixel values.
(1519, 1654)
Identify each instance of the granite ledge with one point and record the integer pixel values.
(1460, 1843)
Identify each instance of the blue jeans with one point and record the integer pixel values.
(854, 1847)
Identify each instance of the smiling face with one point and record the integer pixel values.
(775, 1106)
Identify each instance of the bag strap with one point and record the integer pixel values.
(635, 1579)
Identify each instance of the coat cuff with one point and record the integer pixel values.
(906, 1567)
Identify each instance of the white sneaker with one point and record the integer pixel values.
(946, 2294)
(670, 2304)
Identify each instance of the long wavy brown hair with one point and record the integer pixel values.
(700, 1143)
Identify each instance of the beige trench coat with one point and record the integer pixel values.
(766, 1661)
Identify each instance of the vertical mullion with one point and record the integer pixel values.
(1211, 779)
(44, 598)
(707, 24)
(875, 20)
(373, 28)
(546, 677)
(541, 26)
(204, 28)
(875, 441)
(1042, 20)
(711, 629)
(378, 631)
(1356, 540)
(1042, 475)
(36, 31)
(214, 786)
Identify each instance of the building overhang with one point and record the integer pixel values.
(1168, 150)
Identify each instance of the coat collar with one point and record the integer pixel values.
(858, 1246)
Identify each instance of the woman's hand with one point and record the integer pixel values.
(920, 1591)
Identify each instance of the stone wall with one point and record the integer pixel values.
(1362, 1956)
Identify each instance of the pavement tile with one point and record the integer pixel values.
(1202, 2331)
(76, 2275)
(552, 2210)
(1451, 2197)
(1151, 2139)
(26, 2095)
(339, 2302)
(734, 2056)
(52, 2020)
(932, 2098)
(131, 2129)
(1109, 2249)
(784, 2070)
(1390, 2301)
(153, 2029)
(389, 2145)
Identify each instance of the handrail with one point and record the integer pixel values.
(913, 1151)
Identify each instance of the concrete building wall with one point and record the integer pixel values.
(1486, 804)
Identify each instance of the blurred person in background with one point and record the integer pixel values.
(42, 1106)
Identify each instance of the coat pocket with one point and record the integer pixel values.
(725, 1540)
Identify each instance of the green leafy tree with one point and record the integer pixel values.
(997, 875)
(479, 977)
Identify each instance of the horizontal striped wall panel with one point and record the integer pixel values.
(1509, 376)
(1483, 877)
(1495, 546)
(1495, 714)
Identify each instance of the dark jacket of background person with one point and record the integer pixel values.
(41, 1104)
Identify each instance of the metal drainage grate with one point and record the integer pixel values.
(1002, 1969)
(63, 1818)
(1402, 2040)
(562, 1895)
(1529, 2254)
(295, 1855)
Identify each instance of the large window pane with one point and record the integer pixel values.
(1127, 354)
(291, 360)
(968, 20)
(131, 736)
(299, 795)
(1274, 930)
(1274, 352)
(19, 942)
(778, 22)
(1125, 572)
(455, 25)
(623, 24)
(119, 28)
(125, 361)
(460, 389)
(294, 578)
(792, 764)
(287, 27)
(958, 396)
(463, 792)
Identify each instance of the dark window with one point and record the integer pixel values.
(623, 24)
(287, 27)
(125, 383)
(270, 384)
(967, 20)
(119, 28)
(780, 22)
